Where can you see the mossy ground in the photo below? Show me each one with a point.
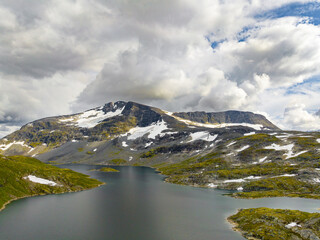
(106, 169)
(270, 224)
(12, 185)
(279, 187)
(118, 161)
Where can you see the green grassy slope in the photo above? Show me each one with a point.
(277, 175)
(269, 224)
(13, 185)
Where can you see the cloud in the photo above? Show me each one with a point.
(7, 129)
(298, 118)
(57, 57)
(277, 53)
(26, 99)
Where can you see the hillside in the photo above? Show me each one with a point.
(24, 176)
(269, 224)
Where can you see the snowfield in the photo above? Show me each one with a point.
(40, 180)
(152, 131)
(91, 118)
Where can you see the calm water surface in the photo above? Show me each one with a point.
(134, 205)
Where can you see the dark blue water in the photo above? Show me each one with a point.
(134, 205)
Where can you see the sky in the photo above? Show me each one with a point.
(65, 56)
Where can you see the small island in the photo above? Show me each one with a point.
(22, 177)
(106, 169)
(269, 224)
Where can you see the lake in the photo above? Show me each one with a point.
(135, 204)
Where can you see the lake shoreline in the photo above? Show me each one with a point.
(235, 227)
(35, 195)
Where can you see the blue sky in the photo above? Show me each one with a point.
(310, 10)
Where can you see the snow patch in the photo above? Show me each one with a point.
(249, 134)
(212, 185)
(148, 144)
(66, 119)
(243, 148)
(124, 144)
(91, 118)
(277, 147)
(252, 177)
(130, 158)
(152, 130)
(318, 140)
(292, 224)
(317, 180)
(286, 175)
(73, 140)
(31, 149)
(95, 150)
(240, 188)
(205, 136)
(167, 133)
(231, 144)
(234, 180)
(291, 155)
(287, 148)
(284, 136)
(40, 180)
(262, 159)
(7, 146)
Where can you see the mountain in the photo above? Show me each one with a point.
(230, 150)
(114, 120)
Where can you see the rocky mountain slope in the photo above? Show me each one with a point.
(234, 150)
(119, 120)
